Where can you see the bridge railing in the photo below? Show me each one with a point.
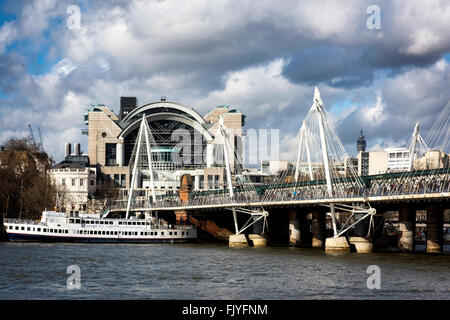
(289, 192)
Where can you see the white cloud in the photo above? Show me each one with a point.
(8, 33)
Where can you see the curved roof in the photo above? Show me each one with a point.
(191, 113)
(168, 116)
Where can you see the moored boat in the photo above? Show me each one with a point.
(61, 227)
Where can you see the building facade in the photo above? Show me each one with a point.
(183, 142)
(75, 183)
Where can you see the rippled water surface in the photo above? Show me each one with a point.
(204, 271)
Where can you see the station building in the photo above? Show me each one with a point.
(184, 142)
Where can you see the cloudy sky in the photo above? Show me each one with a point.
(262, 57)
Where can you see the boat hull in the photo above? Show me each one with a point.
(21, 237)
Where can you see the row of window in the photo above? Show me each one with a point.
(100, 222)
(94, 232)
(73, 182)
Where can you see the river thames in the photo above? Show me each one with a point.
(210, 271)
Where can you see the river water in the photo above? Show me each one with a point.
(207, 271)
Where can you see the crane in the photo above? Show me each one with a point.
(31, 134)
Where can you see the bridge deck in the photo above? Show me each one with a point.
(301, 202)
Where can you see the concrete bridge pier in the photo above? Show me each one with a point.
(238, 240)
(407, 228)
(435, 225)
(257, 238)
(299, 234)
(318, 229)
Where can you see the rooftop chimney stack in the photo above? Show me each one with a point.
(68, 150)
(77, 150)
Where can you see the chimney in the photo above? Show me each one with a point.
(68, 150)
(77, 150)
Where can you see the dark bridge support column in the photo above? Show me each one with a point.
(318, 229)
(407, 228)
(435, 225)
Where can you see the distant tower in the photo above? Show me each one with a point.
(361, 143)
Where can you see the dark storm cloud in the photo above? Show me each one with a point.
(205, 54)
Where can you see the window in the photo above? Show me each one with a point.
(110, 154)
(81, 182)
(73, 182)
(63, 181)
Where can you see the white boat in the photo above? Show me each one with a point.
(61, 227)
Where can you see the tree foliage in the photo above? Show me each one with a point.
(25, 190)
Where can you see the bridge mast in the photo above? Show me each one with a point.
(135, 167)
(222, 130)
(149, 155)
(317, 106)
(303, 138)
(143, 130)
(416, 137)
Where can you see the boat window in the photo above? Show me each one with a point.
(97, 222)
(22, 228)
(71, 220)
(115, 233)
(17, 228)
(162, 233)
(182, 233)
(77, 220)
(134, 223)
(110, 222)
(120, 222)
(67, 231)
(175, 233)
(187, 233)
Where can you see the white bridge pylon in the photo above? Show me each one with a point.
(255, 215)
(140, 150)
(321, 156)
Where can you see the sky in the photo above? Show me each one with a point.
(261, 57)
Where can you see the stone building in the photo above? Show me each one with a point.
(184, 142)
